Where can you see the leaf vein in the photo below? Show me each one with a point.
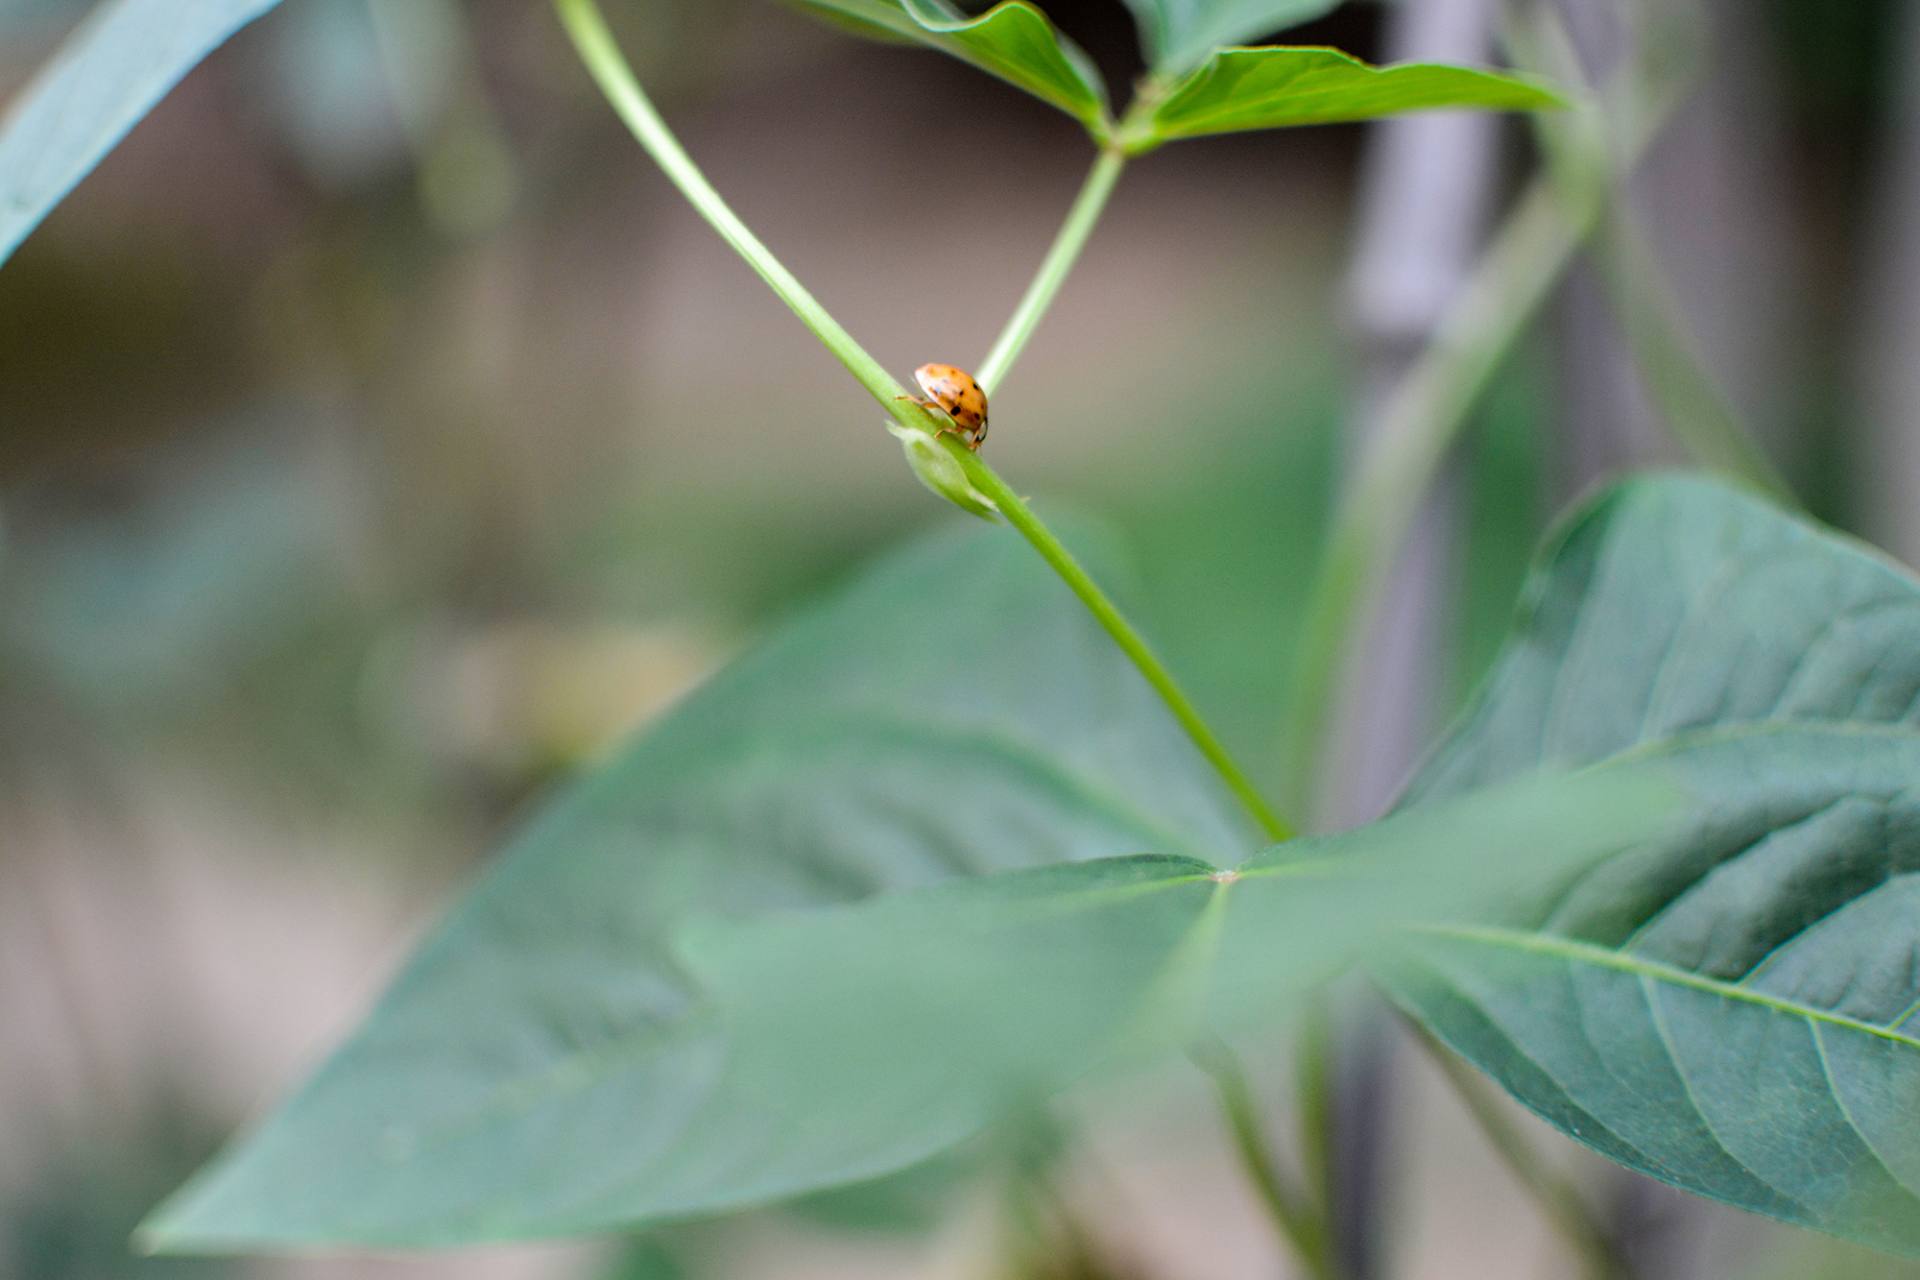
(1644, 984)
(1846, 1112)
(1573, 951)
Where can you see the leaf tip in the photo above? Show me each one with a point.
(160, 1232)
(198, 1217)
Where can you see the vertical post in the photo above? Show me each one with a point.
(1425, 204)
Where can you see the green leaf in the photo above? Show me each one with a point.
(539, 1066)
(644, 1260)
(912, 1202)
(842, 1042)
(1180, 33)
(1734, 1009)
(1278, 87)
(120, 62)
(980, 998)
(1013, 41)
(911, 1021)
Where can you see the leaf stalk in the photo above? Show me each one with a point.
(1067, 246)
(587, 28)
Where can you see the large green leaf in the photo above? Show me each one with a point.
(1013, 41)
(533, 1068)
(1180, 33)
(1279, 86)
(120, 62)
(843, 1042)
(1734, 1009)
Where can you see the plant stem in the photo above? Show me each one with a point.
(1699, 413)
(1529, 254)
(1055, 553)
(1313, 1091)
(598, 50)
(1559, 1200)
(1418, 426)
(1291, 1210)
(602, 56)
(1087, 207)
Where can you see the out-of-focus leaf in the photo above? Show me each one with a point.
(645, 1260)
(958, 1003)
(842, 1042)
(1013, 41)
(1277, 87)
(540, 1066)
(112, 70)
(910, 1202)
(886, 1029)
(1177, 34)
(1734, 1009)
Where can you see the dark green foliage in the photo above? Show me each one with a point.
(1731, 1009)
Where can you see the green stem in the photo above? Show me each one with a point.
(1419, 425)
(1290, 1209)
(1559, 1200)
(602, 56)
(1529, 254)
(1313, 1096)
(1086, 211)
(1046, 1236)
(1698, 411)
(1054, 552)
(600, 53)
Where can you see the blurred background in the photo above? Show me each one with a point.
(380, 436)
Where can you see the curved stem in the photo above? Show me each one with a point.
(1530, 252)
(1699, 412)
(1419, 425)
(1087, 207)
(598, 50)
(1055, 553)
(601, 54)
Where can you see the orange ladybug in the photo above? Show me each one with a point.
(954, 392)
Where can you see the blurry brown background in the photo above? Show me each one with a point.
(380, 435)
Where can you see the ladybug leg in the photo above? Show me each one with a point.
(925, 404)
(971, 438)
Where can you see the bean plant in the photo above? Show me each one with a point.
(955, 840)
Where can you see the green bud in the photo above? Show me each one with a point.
(941, 472)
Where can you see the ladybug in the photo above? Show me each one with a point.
(954, 392)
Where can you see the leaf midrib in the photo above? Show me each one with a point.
(589, 1067)
(1287, 95)
(1574, 951)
